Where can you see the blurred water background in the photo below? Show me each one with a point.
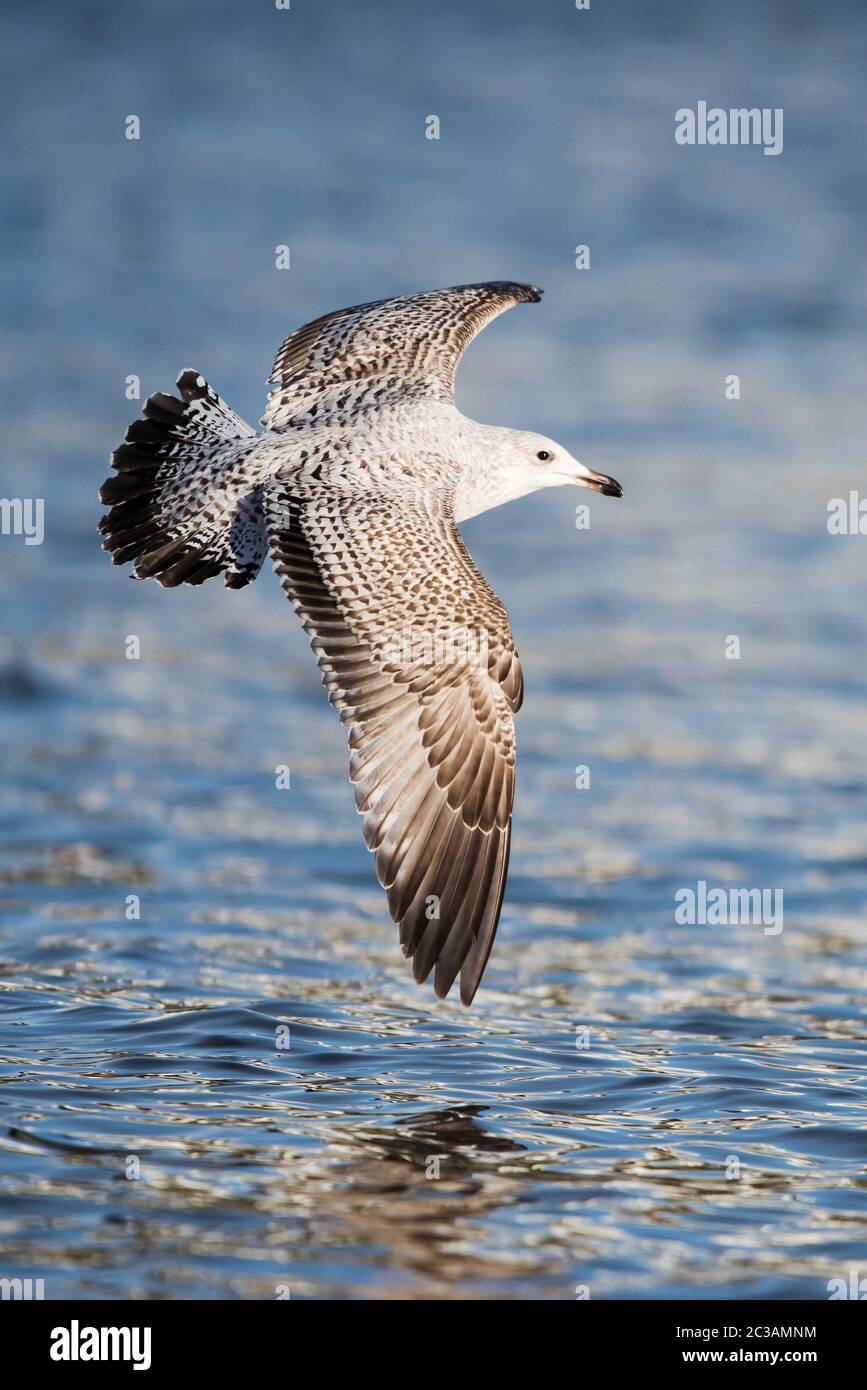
(560, 1166)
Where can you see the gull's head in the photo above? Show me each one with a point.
(544, 463)
(501, 465)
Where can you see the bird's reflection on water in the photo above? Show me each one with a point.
(414, 1190)
(195, 1160)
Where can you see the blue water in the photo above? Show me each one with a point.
(157, 1139)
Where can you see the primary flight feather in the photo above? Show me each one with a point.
(355, 486)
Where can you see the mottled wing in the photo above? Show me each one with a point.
(416, 653)
(370, 354)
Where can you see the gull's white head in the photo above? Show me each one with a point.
(544, 463)
(518, 462)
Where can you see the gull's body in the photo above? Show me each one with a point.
(356, 485)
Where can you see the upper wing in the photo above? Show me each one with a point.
(416, 653)
(370, 353)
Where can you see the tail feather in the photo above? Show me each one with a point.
(185, 495)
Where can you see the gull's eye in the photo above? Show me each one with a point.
(544, 456)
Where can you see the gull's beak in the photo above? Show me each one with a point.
(597, 482)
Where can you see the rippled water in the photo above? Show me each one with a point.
(581, 1125)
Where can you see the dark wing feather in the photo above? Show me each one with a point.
(416, 653)
(390, 349)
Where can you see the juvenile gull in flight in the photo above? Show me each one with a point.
(356, 485)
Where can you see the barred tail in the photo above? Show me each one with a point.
(185, 497)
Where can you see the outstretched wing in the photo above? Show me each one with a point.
(416, 653)
(369, 354)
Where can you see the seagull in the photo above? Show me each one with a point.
(356, 485)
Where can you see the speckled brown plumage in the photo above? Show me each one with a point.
(432, 744)
(356, 484)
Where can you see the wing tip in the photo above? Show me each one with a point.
(520, 292)
(524, 294)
